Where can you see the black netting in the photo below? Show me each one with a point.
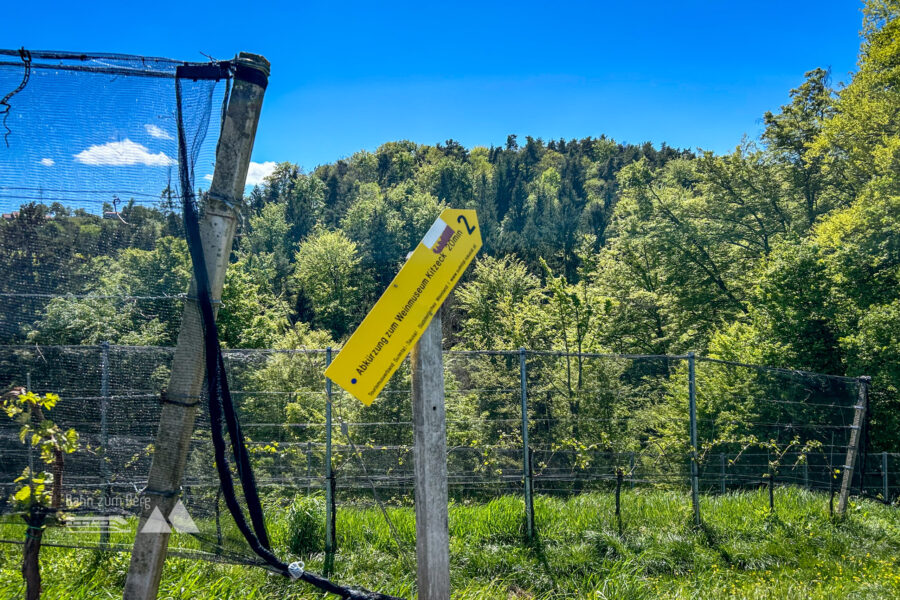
(91, 232)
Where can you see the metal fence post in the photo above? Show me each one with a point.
(806, 473)
(29, 446)
(104, 437)
(526, 454)
(329, 474)
(692, 400)
(859, 417)
(631, 469)
(884, 476)
(308, 468)
(722, 465)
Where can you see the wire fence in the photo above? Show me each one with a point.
(587, 416)
(594, 422)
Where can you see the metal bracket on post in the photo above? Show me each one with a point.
(692, 400)
(217, 228)
(526, 449)
(859, 417)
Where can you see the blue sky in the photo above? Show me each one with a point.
(350, 76)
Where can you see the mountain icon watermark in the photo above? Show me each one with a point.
(179, 521)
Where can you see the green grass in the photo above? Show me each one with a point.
(740, 552)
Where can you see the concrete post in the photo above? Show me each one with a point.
(859, 418)
(176, 423)
(430, 453)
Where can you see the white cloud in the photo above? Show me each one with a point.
(208, 177)
(48, 162)
(259, 171)
(124, 153)
(156, 132)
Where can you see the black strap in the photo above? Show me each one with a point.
(250, 75)
(209, 72)
(221, 405)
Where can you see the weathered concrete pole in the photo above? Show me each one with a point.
(859, 419)
(430, 452)
(217, 229)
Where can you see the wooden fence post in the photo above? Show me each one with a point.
(430, 432)
(176, 423)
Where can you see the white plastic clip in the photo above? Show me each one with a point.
(295, 569)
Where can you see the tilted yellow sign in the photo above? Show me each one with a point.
(396, 322)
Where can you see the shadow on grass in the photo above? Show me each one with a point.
(535, 547)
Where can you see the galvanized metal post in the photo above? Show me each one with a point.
(722, 466)
(631, 470)
(692, 401)
(526, 448)
(29, 446)
(859, 418)
(329, 473)
(308, 468)
(806, 473)
(430, 468)
(884, 476)
(217, 227)
(104, 437)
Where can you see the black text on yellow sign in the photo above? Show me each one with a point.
(396, 322)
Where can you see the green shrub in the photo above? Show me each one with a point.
(306, 525)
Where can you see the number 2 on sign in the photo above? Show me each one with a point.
(462, 219)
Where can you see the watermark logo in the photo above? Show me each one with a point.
(179, 521)
(93, 525)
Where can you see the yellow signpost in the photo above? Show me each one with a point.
(396, 322)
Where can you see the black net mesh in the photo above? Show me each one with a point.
(91, 233)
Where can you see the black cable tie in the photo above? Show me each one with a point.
(232, 203)
(196, 299)
(250, 74)
(165, 398)
(161, 493)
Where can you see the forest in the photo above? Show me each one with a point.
(784, 252)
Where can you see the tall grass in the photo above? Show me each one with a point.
(741, 551)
